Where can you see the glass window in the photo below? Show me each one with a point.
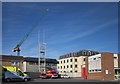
(70, 71)
(70, 60)
(70, 66)
(67, 61)
(76, 71)
(64, 67)
(75, 60)
(84, 59)
(61, 67)
(94, 59)
(115, 57)
(64, 61)
(75, 66)
(67, 66)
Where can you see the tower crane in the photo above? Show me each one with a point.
(17, 48)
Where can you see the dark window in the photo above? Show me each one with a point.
(64, 67)
(70, 71)
(94, 59)
(75, 66)
(61, 67)
(75, 60)
(67, 66)
(64, 61)
(99, 69)
(70, 60)
(61, 62)
(75, 71)
(84, 59)
(67, 61)
(58, 67)
(96, 70)
(64, 71)
(70, 66)
(115, 57)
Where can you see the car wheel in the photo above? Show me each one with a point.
(8, 79)
(25, 79)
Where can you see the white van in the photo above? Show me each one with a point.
(13, 76)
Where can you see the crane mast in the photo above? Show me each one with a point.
(17, 48)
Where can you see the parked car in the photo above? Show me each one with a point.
(43, 75)
(52, 74)
(13, 76)
(64, 76)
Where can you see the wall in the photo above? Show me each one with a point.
(31, 68)
(71, 71)
(33, 75)
(118, 60)
(107, 66)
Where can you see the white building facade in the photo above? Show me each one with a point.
(71, 64)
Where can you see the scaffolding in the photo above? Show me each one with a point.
(41, 55)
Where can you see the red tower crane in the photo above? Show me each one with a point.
(17, 48)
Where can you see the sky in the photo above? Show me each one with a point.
(68, 27)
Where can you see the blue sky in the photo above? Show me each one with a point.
(68, 27)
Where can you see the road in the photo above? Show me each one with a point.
(71, 80)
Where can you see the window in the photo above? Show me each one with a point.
(94, 58)
(64, 71)
(70, 66)
(70, 60)
(75, 60)
(96, 70)
(67, 66)
(64, 61)
(99, 69)
(64, 67)
(89, 70)
(58, 67)
(67, 61)
(115, 57)
(61, 67)
(61, 62)
(84, 59)
(75, 66)
(15, 63)
(76, 71)
(70, 71)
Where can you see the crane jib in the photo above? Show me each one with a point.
(26, 36)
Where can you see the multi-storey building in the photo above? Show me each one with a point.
(71, 63)
(104, 66)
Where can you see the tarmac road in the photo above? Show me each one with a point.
(71, 80)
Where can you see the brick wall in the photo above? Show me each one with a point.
(119, 60)
(107, 63)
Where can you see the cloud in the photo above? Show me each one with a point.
(67, 37)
